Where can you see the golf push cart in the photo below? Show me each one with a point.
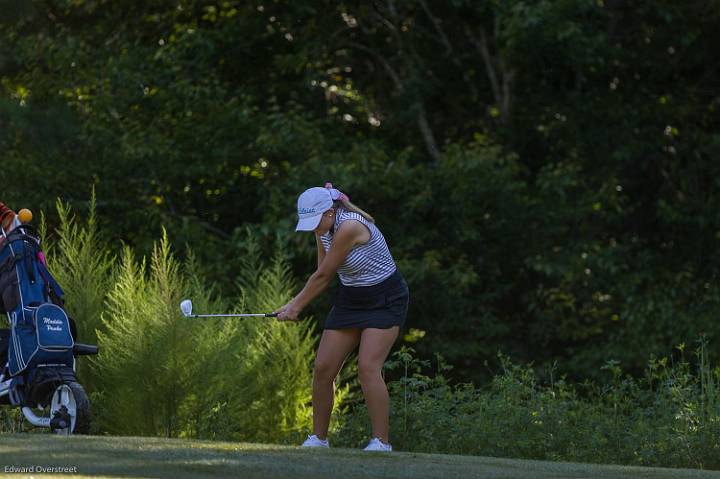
(38, 350)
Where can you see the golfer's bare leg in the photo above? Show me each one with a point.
(375, 346)
(335, 345)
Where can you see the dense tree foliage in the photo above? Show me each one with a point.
(545, 171)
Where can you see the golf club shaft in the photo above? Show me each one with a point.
(246, 315)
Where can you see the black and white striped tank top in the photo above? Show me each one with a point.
(367, 264)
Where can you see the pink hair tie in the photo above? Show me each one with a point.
(336, 194)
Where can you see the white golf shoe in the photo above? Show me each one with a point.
(314, 441)
(376, 444)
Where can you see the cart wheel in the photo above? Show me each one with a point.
(70, 409)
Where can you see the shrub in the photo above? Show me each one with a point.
(164, 374)
(670, 417)
(81, 262)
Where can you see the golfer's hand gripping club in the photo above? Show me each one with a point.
(288, 313)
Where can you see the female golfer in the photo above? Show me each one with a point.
(369, 309)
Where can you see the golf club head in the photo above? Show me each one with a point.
(186, 307)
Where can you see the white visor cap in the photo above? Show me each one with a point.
(311, 204)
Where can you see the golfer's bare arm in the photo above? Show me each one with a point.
(320, 250)
(349, 234)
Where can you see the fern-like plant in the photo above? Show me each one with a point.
(81, 262)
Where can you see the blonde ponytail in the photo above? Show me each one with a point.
(340, 199)
(348, 206)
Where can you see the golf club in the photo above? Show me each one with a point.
(186, 308)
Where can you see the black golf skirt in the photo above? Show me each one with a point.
(381, 306)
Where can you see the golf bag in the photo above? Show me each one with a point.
(32, 299)
(37, 353)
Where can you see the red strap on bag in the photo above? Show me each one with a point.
(6, 216)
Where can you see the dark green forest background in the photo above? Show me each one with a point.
(546, 172)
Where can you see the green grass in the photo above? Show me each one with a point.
(102, 456)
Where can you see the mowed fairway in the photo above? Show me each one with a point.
(153, 457)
